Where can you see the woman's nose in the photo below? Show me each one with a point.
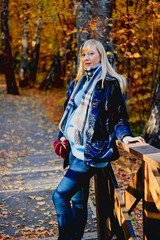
(86, 57)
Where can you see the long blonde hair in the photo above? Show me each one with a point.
(106, 66)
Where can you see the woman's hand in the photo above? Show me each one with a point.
(62, 139)
(129, 139)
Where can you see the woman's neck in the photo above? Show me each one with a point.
(89, 72)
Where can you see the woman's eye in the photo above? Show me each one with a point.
(83, 55)
(91, 53)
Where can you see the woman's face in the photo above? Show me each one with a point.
(90, 57)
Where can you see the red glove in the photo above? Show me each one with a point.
(62, 148)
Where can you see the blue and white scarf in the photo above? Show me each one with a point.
(83, 110)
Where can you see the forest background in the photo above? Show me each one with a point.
(40, 40)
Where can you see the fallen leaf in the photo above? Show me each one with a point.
(39, 198)
(52, 222)
(40, 203)
(31, 197)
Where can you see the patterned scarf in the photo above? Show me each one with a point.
(89, 72)
(83, 110)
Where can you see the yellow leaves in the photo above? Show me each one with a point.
(50, 46)
(130, 55)
(133, 34)
(92, 27)
(121, 31)
(136, 55)
(84, 30)
(134, 119)
(108, 53)
(132, 30)
(127, 170)
(70, 31)
(136, 75)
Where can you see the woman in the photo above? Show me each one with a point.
(95, 115)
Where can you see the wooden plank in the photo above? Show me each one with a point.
(145, 151)
(112, 215)
(120, 210)
(154, 185)
(134, 191)
(151, 216)
(122, 216)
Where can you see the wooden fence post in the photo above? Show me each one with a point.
(102, 206)
(113, 204)
(107, 225)
(151, 215)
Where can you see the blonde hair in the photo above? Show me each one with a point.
(106, 66)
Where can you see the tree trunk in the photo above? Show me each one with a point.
(6, 49)
(102, 10)
(47, 82)
(24, 81)
(36, 46)
(152, 128)
(70, 57)
(70, 60)
(52, 79)
(83, 15)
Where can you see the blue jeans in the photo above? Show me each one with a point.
(70, 199)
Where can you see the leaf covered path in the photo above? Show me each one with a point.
(29, 171)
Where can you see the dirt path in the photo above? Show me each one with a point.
(29, 171)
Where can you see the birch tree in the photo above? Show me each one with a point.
(35, 47)
(24, 59)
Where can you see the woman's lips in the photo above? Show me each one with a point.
(87, 64)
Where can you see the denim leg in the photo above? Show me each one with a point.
(76, 177)
(79, 200)
(79, 211)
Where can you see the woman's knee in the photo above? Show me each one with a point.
(55, 196)
(60, 197)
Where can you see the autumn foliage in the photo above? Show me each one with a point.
(135, 37)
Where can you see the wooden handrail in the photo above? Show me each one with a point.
(144, 151)
(114, 205)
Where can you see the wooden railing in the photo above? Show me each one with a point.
(114, 206)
